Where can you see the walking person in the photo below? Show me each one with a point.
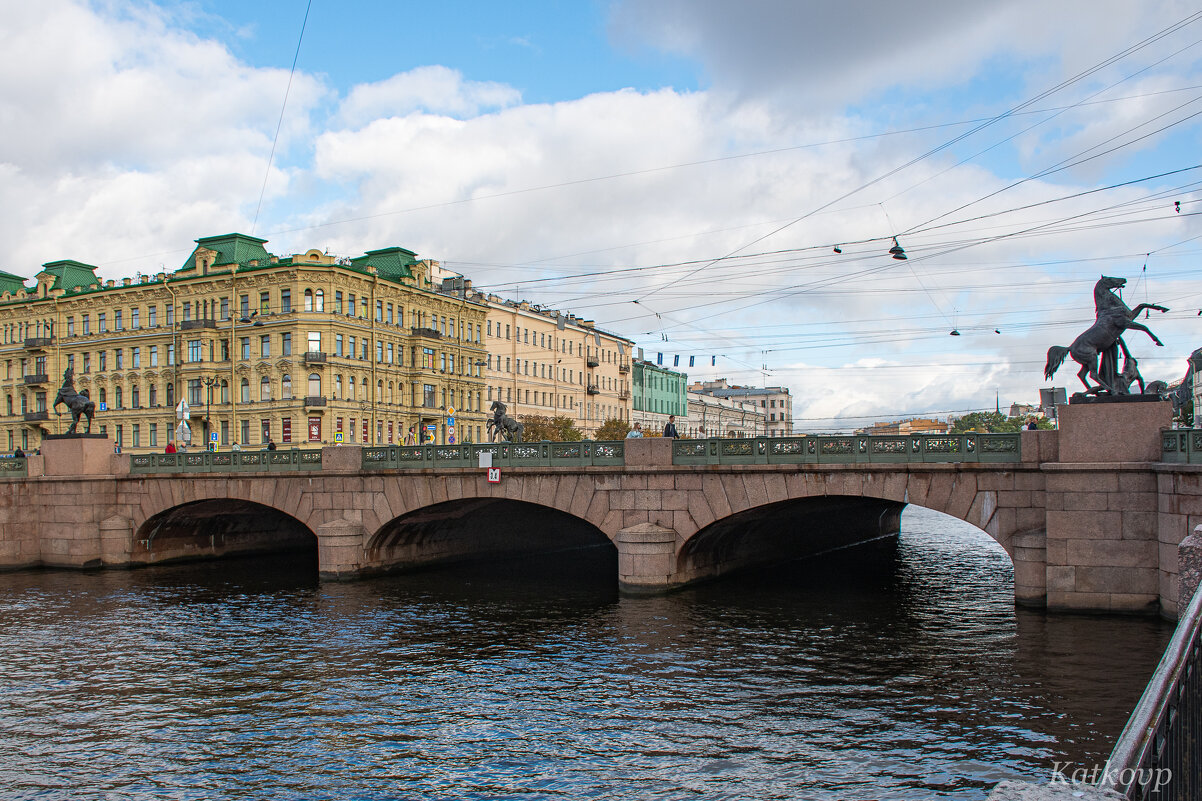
(636, 432)
(670, 428)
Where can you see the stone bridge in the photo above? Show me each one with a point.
(1091, 522)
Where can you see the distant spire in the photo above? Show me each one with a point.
(997, 401)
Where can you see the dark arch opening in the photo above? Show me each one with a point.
(489, 530)
(786, 531)
(220, 528)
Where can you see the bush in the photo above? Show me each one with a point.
(613, 428)
(555, 429)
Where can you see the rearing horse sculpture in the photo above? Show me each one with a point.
(78, 402)
(1103, 339)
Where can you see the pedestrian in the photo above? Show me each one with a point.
(670, 428)
(409, 438)
(170, 447)
(636, 432)
(270, 444)
(1032, 425)
(236, 446)
(18, 453)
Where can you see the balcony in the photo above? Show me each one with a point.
(593, 389)
(38, 343)
(192, 325)
(37, 378)
(623, 368)
(426, 332)
(593, 361)
(624, 394)
(315, 357)
(312, 401)
(33, 417)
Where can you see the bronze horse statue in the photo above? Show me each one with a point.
(502, 424)
(1104, 339)
(78, 403)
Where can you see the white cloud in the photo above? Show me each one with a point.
(433, 89)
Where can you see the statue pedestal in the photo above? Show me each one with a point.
(1113, 432)
(78, 455)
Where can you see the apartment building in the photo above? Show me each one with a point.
(775, 402)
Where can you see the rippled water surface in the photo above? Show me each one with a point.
(863, 675)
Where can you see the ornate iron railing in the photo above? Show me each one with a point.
(850, 449)
(226, 461)
(13, 467)
(1157, 755)
(1182, 445)
(504, 454)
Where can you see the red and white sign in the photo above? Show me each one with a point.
(315, 429)
(494, 475)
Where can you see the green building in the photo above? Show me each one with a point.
(657, 393)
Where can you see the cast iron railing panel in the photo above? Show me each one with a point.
(226, 461)
(850, 449)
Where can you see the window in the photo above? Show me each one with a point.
(225, 308)
(429, 400)
(243, 307)
(308, 300)
(245, 390)
(389, 314)
(337, 387)
(286, 430)
(154, 435)
(314, 385)
(379, 311)
(225, 398)
(154, 396)
(363, 308)
(70, 326)
(285, 300)
(338, 302)
(286, 387)
(314, 342)
(390, 353)
(133, 318)
(379, 351)
(428, 358)
(265, 389)
(195, 392)
(315, 429)
(338, 344)
(264, 302)
(286, 344)
(100, 322)
(351, 352)
(117, 396)
(87, 362)
(103, 360)
(245, 347)
(195, 353)
(319, 300)
(154, 355)
(363, 345)
(188, 311)
(136, 358)
(350, 306)
(265, 346)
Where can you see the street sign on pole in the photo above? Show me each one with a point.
(183, 433)
(182, 412)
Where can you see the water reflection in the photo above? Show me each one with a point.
(901, 672)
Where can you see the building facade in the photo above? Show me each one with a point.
(302, 350)
(551, 363)
(775, 402)
(658, 392)
(711, 416)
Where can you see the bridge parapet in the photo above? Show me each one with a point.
(968, 447)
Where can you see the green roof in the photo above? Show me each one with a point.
(70, 274)
(231, 249)
(392, 263)
(11, 283)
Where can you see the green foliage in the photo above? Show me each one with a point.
(988, 422)
(554, 429)
(613, 428)
(1186, 416)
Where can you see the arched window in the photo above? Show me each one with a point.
(363, 386)
(265, 389)
(245, 390)
(308, 300)
(171, 394)
(390, 394)
(286, 387)
(319, 300)
(314, 385)
(379, 392)
(25, 403)
(154, 395)
(337, 386)
(103, 398)
(350, 389)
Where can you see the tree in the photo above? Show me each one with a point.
(613, 428)
(554, 429)
(988, 423)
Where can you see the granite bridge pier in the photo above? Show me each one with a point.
(1097, 516)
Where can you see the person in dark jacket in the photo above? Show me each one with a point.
(670, 428)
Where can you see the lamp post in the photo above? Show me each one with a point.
(208, 382)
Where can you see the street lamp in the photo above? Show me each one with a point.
(208, 382)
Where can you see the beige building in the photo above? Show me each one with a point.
(916, 425)
(774, 402)
(711, 416)
(551, 363)
(302, 350)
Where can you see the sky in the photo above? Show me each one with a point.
(720, 182)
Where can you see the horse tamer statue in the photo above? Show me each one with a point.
(1104, 339)
(502, 425)
(78, 403)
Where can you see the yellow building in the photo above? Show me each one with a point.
(303, 350)
(551, 363)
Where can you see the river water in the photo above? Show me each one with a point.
(900, 674)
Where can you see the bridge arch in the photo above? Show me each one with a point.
(480, 528)
(218, 527)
